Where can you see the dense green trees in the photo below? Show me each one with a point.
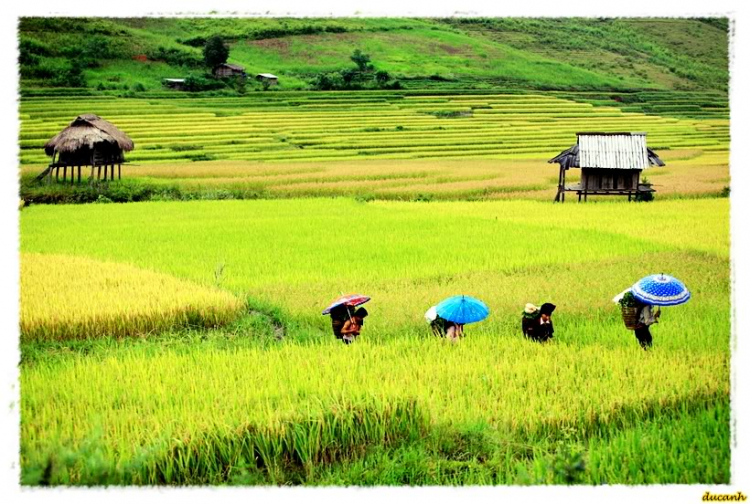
(364, 76)
(215, 52)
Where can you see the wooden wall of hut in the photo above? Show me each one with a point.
(602, 179)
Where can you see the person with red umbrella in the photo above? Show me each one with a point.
(353, 326)
(345, 322)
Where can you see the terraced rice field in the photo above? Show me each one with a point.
(378, 145)
(340, 126)
(182, 342)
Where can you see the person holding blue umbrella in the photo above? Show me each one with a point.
(460, 310)
(655, 290)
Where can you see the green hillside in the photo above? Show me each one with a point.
(127, 56)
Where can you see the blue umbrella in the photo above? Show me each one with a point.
(660, 290)
(462, 309)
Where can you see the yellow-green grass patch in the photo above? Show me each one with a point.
(69, 297)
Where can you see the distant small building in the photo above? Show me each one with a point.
(229, 70)
(271, 79)
(610, 163)
(178, 84)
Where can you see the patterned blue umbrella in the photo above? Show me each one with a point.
(462, 309)
(661, 290)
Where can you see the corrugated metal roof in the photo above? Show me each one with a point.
(613, 150)
(267, 76)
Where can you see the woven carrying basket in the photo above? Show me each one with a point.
(630, 317)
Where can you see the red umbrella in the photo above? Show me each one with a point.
(348, 300)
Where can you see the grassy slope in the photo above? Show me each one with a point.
(669, 53)
(551, 53)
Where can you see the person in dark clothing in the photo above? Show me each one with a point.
(339, 316)
(443, 327)
(439, 326)
(353, 326)
(536, 323)
(646, 317)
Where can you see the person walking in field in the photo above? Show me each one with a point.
(637, 303)
(341, 311)
(353, 326)
(339, 316)
(443, 327)
(536, 322)
(646, 317)
(438, 324)
(457, 311)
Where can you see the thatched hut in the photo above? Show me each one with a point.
(88, 141)
(610, 163)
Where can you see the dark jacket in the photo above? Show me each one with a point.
(534, 329)
(339, 316)
(439, 326)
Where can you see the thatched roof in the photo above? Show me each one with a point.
(608, 150)
(88, 130)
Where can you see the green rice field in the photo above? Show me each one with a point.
(271, 397)
(170, 325)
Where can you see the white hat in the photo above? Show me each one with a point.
(530, 308)
(431, 314)
(618, 297)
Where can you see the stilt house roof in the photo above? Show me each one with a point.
(626, 151)
(87, 130)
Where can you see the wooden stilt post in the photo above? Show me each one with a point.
(586, 189)
(98, 172)
(65, 173)
(91, 177)
(57, 174)
(112, 173)
(79, 174)
(119, 172)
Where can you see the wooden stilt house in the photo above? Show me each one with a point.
(88, 141)
(610, 163)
